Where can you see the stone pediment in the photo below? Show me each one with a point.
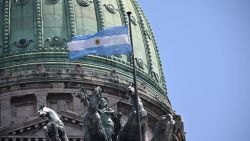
(34, 126)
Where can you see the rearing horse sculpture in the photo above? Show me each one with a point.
(54, 129)
(130, 131)
(92, 121)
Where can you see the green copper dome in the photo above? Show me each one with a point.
(36, 32)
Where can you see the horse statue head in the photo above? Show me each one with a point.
(93, 128)
(54, 129)
(44, 111)
(130, 131)
(164, 129)
(98, 91)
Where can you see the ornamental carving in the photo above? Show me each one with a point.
(83, 3)
(143, 86)
(39, 69)
(140, 63)
(113, 76)
(39, 24)
(55, 41)
(22, 43)
(133, 20)
(157, 97)
(53, 1)
(123, 11)
(100, 17)
(155, 76)
(71, 16)
(146, 33)
(78, 69)
(22, 2)
(6, 24)
(110, 8)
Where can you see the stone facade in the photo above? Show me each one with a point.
(35, 69)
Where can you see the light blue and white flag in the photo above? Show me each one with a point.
(111, 41)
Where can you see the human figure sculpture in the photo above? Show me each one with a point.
(106, 113)
(130, 131)
(164, 129)
(98, 120)
(54, 129)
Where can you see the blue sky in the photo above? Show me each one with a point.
(205, 50)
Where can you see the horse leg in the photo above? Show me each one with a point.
(86, 127)
(64, 137)
(100, 129)
(46, 132)
(62, 134)
(119, 138)
(87, 136)
(55, 135)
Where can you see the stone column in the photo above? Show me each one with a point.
(78, 106)
(41, 98)
(5, 106)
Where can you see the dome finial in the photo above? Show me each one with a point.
(129, 13)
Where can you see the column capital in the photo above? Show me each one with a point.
(42, 93)
(5, 98)
(41, 98)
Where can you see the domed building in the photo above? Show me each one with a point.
(35, 68)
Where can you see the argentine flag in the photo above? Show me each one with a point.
(111, 41)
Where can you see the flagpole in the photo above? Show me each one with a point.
(135, 79)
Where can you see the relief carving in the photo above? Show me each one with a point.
(22, 2)
(78, 69)
(56, 41)
(113, 76)
(83, 3)
(53, 1)
(23, 43)
(39, 69)
(110, 8)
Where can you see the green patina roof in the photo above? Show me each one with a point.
(36, 32)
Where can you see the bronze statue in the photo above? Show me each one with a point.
(130, 131)
(54, 129)
(164, 129)
(99, 119)
(106, 113)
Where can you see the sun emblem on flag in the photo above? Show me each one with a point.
(97, 41)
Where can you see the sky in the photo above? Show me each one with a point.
(205, 50)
